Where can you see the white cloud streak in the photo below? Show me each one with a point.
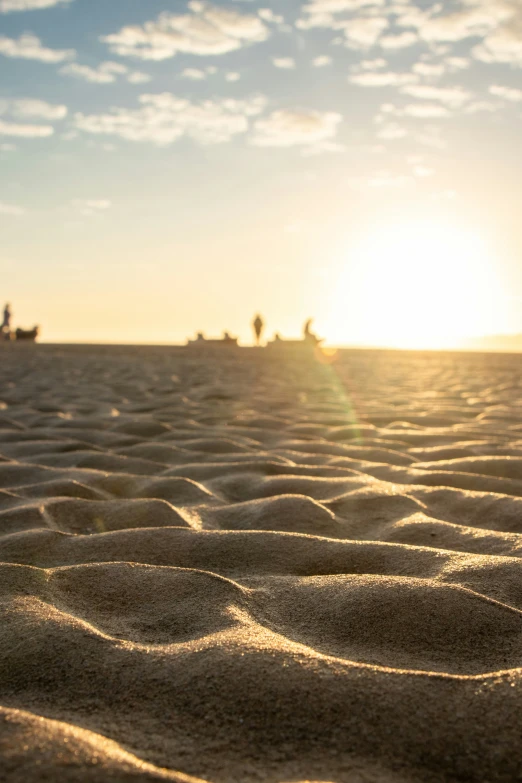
(11, 210)
(206, 30)
(9, 6)
(29, 47)
(25, 131)
(164, 118)
(104, 73)
(31, 108)
(289, 128)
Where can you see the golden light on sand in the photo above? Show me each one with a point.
(421, 284)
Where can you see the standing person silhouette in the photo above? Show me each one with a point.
(258, 325)
(307, 332)
(6, 325)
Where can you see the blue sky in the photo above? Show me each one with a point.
(171, 166)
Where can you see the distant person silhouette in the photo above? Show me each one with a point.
(308, 335)
(307, 332)
(6, 325)
(258, 325)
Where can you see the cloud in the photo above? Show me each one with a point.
(287, 63)
(268, 15)
(450, 96)
(233, 76)
(423, 171)
(29, 47)
(429, 69)
(401, 41)
(164, 118)
(33, 108)
(11, 209)
(497, 22)
(503, 44)
(8, 6)
(206, 30)
(138, 77)
(105, 73)
(392, 131)
(382, 79)
(363, 32)
(370, 65)
(426, 110)
(290, 128)
(322, 61)
(508, 93)
(89, 207)
(25, 131)
(322, 13)
(195, 74)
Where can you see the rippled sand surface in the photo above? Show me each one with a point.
(244, 568)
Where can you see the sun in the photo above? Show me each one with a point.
(418, 284)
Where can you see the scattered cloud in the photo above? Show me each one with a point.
(287, 63)
(138, 77)
(195, 74)
(450, 96)
(498, 23)
(429, 70)
(425, 110)
(8, 6)
(392, 131)
(88, 207)
(164, 118)
(382, 79)
(511, 94)
(325, 13)
(269, 16)
(363, 32)
(104, 73)
(401, 41)
(206, 30)
(232, 76)
(11, 209)
(33, 108)
(29, 47)
(423, 171)
(322, 61)
(25, 131)
(457, 63)
(370, 65)
(290, 128)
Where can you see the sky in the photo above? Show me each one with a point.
(169, 167)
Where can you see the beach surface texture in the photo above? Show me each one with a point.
(240, 566)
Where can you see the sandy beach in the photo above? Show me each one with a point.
(239, 567)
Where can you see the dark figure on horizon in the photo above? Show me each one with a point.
(307, 332)
(308, 335)
(258, 325)
(7, 317)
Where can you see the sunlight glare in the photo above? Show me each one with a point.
(421, 284)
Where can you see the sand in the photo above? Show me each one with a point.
(244, 567)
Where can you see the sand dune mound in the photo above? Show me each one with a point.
(255, 568)
(288, 513)
(401, 623)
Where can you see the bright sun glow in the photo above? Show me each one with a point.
(420, 284)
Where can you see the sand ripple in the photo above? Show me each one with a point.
(244, 569)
